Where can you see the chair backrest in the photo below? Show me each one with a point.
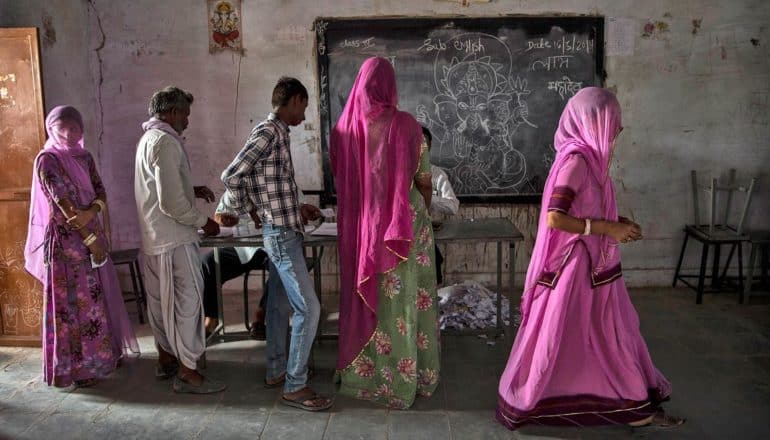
(716, 192)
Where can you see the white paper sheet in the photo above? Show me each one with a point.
(326, 229)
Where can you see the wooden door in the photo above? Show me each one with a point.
(22, 134)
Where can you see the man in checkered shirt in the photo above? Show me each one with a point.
(260, 182)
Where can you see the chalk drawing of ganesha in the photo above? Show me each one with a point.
(478, 108)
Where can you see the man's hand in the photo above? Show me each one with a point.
(226, 219)
(211, 228)
(254, 216)
(203, 192)
(309, 213)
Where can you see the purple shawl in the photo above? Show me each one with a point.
(588, 127)
(374, 156)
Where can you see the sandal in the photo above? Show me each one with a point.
(663, 420)
(308, 400)
(208, 386)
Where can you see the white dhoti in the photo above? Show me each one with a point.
(174, 286)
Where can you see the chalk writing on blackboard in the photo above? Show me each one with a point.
(478, 106)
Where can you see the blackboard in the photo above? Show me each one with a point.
(491, 90)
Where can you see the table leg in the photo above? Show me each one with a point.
(220, 312)
(511, 284)
(750, 273)
(499, 286)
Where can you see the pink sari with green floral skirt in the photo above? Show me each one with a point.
(388, 347)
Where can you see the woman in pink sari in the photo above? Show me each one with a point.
(579, 358)
(86, 329)
(388, 345)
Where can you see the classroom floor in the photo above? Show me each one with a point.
(716, 355)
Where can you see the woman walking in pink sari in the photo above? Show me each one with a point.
(388, 345)
(86, 329)
(579, 358)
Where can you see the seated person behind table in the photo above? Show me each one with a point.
(234, 262)
(444, 202)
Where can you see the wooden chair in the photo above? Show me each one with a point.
(716, 232)
(131, 258)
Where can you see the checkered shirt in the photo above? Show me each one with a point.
(261, 176)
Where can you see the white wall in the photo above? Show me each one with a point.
(692, 98)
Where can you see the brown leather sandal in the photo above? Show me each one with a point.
(663, 420)
(307, 400)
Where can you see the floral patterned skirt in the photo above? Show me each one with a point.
(401, 360)
(77, 343)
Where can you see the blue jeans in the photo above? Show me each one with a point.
(291, 289)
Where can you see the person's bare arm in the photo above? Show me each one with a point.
(622, 232)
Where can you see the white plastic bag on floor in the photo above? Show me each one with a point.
(470, 305)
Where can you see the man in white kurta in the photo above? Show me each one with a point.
(443, 204)
(169, 222)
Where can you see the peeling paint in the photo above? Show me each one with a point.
(98, 51)
(696, 25)
(655, 29)
(49, 32)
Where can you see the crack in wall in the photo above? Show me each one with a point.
(98, 49)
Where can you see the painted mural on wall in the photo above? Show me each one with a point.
(224, 18)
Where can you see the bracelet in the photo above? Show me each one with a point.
(90, 239)
(102, 206)
(587, 230)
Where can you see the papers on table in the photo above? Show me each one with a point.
(325, 229)
(239, 230)
(246, 230)
(224, 231)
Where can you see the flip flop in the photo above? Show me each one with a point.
(207, 387)
(318, 403)
(663, 420)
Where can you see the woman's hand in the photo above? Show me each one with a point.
(98, 251)
(624, 232)
(82, 217)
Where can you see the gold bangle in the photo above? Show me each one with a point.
(102, 206)
(90, 239)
